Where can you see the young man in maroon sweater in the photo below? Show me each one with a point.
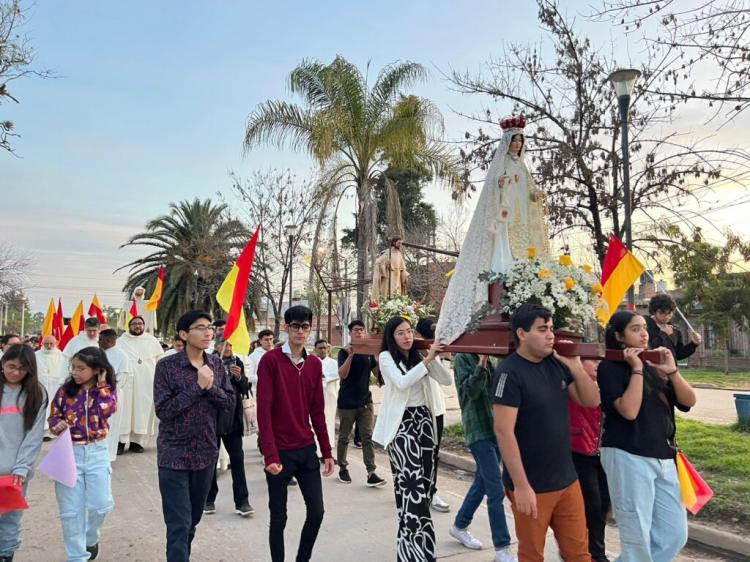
(289, 397)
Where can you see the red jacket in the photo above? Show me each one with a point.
(287, 401)
(585, 428)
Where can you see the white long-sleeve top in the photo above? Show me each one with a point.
(400, 393)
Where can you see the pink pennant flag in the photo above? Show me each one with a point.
(60, 463)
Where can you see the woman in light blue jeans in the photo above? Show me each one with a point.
(638, 444)
(84, 404)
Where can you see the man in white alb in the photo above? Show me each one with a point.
(265, 338)
(52, 369)
(137, 422)
(119, 362)
(330, 386)
(88, 338)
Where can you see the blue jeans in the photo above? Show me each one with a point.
(646, 499)
(10, 527)
(83, 507)
(487, 481)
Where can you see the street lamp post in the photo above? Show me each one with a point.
(291, 233)
(624, 82)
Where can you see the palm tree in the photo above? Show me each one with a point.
(356, 132)
(197, 243)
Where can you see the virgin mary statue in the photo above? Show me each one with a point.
(508, 220)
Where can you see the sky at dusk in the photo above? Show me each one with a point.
(149, 101)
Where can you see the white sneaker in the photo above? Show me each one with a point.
(505, 555)
(464, 537)
(440, 505)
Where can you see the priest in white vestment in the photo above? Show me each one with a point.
(265, 339)
(88, 338)
(330, 386)
(52, 369)
(119, 362)
(149, 316)
(137, 423)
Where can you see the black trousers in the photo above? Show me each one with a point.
(302, 464)
(596, 501)
(183, 495)
(439, 422)
(233, 445)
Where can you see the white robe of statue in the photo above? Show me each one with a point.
(389, 275)
(119, 362)
(507, 221)
(149, 316)
(138, 416)
(52, 370)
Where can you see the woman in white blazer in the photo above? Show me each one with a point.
(406, 428)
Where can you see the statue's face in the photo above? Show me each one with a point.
(139, 293)
(516, 144)
(397, 244)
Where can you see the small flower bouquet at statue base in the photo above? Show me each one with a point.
(399, 305)
(572, 293)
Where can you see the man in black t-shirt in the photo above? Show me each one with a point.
(532, 387)
(355, 406)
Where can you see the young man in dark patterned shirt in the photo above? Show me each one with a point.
(190, 389)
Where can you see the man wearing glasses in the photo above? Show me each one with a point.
(137, 423)
(289, 398)
(355, 406)
(191, 389)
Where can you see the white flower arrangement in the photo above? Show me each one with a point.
(399, 305)
(572, 293)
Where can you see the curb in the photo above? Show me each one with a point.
(711, 386)
(697, 532)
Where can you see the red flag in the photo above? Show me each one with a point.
(58, 324)
(95, 309)
(133, 309)
(620, 270)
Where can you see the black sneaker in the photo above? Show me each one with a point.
(136, 448)
(6, 558)
(293, 482)
(209, 509)
(120, 448)
(93, 551)
(374, 481)
(245, 510)
(344, 476)
(358, 444)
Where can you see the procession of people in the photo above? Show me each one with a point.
(113, 394)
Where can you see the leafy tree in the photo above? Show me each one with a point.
(419, 217)
(573, 134)
(197, 243)
(713, 289)
(356, 132)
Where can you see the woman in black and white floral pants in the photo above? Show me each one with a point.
(406, 428)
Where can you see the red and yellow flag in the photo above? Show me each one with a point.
(693, 489)
(155, 300)
(58, 324)
(620, 270)
(231, 298)
(75, 326)
(95, 309)
(132, 312)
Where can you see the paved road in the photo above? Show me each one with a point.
(359, 525)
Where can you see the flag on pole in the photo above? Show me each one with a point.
(58, 324)
(132, 312)
(95, 309)
(74, 326)
(620, 270)
(59, 463)
(49, 321)
(155, 300)
(231, 298)
(693, 489)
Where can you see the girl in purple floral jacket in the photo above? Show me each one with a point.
(84, 404)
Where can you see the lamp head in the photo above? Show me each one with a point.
(624, 81)
(291, 230)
